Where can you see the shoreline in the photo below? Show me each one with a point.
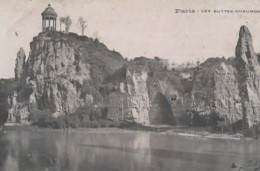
(155, 130)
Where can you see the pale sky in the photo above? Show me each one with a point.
(134, 27)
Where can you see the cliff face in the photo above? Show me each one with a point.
(248, 76)
(19, 64)
(131, 100)
(62, 73)
(65, 72)
(230, 87)
(148, 93)
(216, 90)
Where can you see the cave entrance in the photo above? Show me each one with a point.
(160, 112)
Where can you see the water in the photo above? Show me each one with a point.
(47, 150)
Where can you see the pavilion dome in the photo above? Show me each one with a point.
(49, 11)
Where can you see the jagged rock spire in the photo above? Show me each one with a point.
(19, 64)
(244, 48)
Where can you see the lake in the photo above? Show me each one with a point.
(118, 150)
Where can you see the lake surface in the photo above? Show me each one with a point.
(47, 150)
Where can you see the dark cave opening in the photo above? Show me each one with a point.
(160, 112)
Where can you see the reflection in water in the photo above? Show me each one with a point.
(26, 150)
(11, 164)
(3, 150)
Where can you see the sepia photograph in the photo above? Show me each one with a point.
(129, 85)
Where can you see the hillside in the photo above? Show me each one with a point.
(67, 74)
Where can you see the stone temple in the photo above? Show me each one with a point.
(49, 17)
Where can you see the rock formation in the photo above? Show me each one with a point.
(215, 90)
(244, 49)
(65, 72)
(19, 64)
(230, 87)
(149, 93)
(248, 76)
(62, 73)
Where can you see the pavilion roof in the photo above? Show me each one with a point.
(49, 11)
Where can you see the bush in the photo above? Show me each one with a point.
(86, 116)
(199, 120)
(213, 119)
(37, 115)
(59, 123)
(185, 118)
(45, 121)
(7, 87)
(73, 121)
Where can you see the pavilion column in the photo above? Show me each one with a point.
(54, 24)
(49, 23)
(42, 23)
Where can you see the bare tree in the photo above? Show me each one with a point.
(62, 20)
(83, 24)
(67, 22)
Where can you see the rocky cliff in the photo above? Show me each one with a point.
(65, 72)
(147, 93)
(62, 73)
(19, 64)
(248, 77)
(230, 87)
(216, 90)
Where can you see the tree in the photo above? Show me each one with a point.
(83, 24)
(67, 22)
(62, 20)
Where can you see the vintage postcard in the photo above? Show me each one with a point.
(129, 85)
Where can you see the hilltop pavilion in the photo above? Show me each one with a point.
(49, 17)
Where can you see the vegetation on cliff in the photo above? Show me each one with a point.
(70, 81)
(7, 87)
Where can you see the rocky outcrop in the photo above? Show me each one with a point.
(19, 64)
(244, 49)
(131, 102)
(215, 90)
(65, 72)
(148, 93)
(248, 76)
(230, 87)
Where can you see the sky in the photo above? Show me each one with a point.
(134, 27)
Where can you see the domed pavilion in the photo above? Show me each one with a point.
(49, 17)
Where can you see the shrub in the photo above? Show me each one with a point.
(45, 121)
(7, 87)
(73, 121)
(86, 116)
(59, 123)
(185, 118)
(37, 114)
(213, 119)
